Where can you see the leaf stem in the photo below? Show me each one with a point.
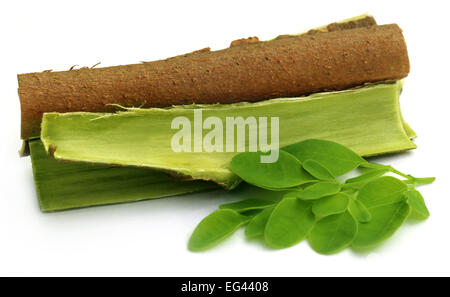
(411, 179)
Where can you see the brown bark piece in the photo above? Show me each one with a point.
(248, 72)
(244, 41)
(348, 25)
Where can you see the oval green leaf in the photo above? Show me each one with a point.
(424, 180)
(319, 190)
(250, 213)
(333, 233)
(386, 219)
(292, 194)
(317, 170)
(280, 189)
(286, 172)
(381, 191)
(359, 181)
(331, 205)
(248, 204)
(359, 211)
(214, 228)
(417, 203)
(257, 225)
(334, 156)
(289, 223)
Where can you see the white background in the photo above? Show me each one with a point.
(149, 238)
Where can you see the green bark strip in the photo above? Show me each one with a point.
(66, 185)
(367, 120)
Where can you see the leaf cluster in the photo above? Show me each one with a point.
(361, 212)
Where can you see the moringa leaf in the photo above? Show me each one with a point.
(384, 199)
(257, 225)
(250, 213)
(359, 211)
(292, 194)
(333, 233)
(248, 204)
(417, 203)
(332, 155)
(381, 191)
(331, 205)
(317, 170)
(289, 223)
(364, 178)
(214, 228)
(281, 189)
(386, 219)
(424, 180)
(379, 209)
(286, 172)
(319, 190)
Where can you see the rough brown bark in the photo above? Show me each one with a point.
(285, 67)
(364, 22)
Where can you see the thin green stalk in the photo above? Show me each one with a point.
(411, 179)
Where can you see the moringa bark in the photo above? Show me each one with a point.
(367, 120)
(284, 67)
(67, 185)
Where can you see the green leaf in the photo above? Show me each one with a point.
(331, 205)
(280, 189)
(292, 194)
(366, 177)
(386, 219)
(381, 191)
(248, 204)
(289, 223)
(319, 190)
(334, 156)
(317, 170)
(257, 225)
(250, 213)
(214, 228)
(424, 180)
(384, 199)
(417, 203)
(333, 233)
(359, 211)
(285, 173)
